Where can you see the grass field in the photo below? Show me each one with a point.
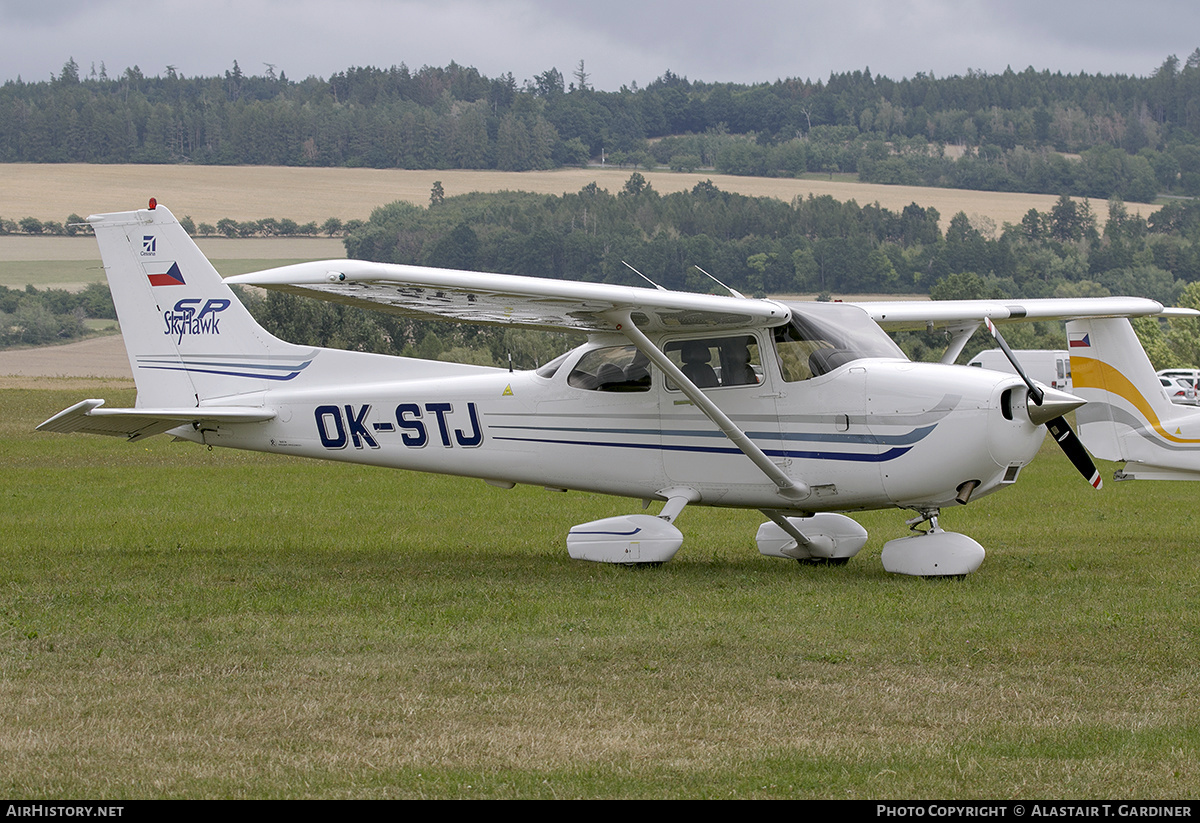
(177, 622)
(72, 262)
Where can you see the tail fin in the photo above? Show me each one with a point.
(188, 337)
(1128, 416)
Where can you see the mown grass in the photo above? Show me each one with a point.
(42, 274)
(176, 622)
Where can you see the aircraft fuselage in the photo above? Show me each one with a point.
(871, 433)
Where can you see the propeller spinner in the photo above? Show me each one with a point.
(1049, 409)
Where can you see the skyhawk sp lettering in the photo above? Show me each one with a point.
(184, 319)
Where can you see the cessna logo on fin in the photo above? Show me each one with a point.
(185, 320)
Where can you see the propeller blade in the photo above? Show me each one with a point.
(1034, 391)
(1069, 442)
(1049, 408)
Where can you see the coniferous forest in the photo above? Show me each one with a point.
(1118, 138)
(1035, 131)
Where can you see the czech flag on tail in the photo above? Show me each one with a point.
(164, 274)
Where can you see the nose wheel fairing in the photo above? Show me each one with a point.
(935, 553)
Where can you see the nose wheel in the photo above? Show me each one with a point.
(932, 553)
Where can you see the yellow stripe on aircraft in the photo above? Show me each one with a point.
(1088, 373)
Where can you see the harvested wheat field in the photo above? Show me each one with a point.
(95, 357)
(209, 193)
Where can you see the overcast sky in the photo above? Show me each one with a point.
(621, 41)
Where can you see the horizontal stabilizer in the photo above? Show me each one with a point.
(1137, 472)
(134, 424)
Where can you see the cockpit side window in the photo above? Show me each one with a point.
(801, 354)
(612, 369)
(816, 342)
(717, 362)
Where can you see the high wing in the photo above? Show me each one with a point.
(960, 318)
(913, 315)
(503, 299)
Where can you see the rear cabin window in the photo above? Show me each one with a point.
(612, 369)
(717, 362)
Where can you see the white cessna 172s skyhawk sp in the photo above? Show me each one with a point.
(798, 410)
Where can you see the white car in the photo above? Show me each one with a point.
(1180, 389)
(1191, 375)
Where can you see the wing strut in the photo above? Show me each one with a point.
(789, 488)
(959, 335)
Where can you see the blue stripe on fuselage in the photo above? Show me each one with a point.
(907, 439)
(859, 457)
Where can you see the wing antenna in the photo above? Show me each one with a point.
(644, 277)
(734, 292)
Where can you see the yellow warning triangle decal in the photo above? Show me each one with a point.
(1178, 430)
(507, 391)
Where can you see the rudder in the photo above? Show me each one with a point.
(1127, 408)
(188, 337)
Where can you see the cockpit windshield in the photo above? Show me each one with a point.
(821, 337)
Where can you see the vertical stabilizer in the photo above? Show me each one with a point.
(188, 337)
(1128, 416)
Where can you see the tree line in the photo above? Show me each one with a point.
(762, 245)
(37, 317)
(225, 227)
(1084, 135)
(757, 245)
